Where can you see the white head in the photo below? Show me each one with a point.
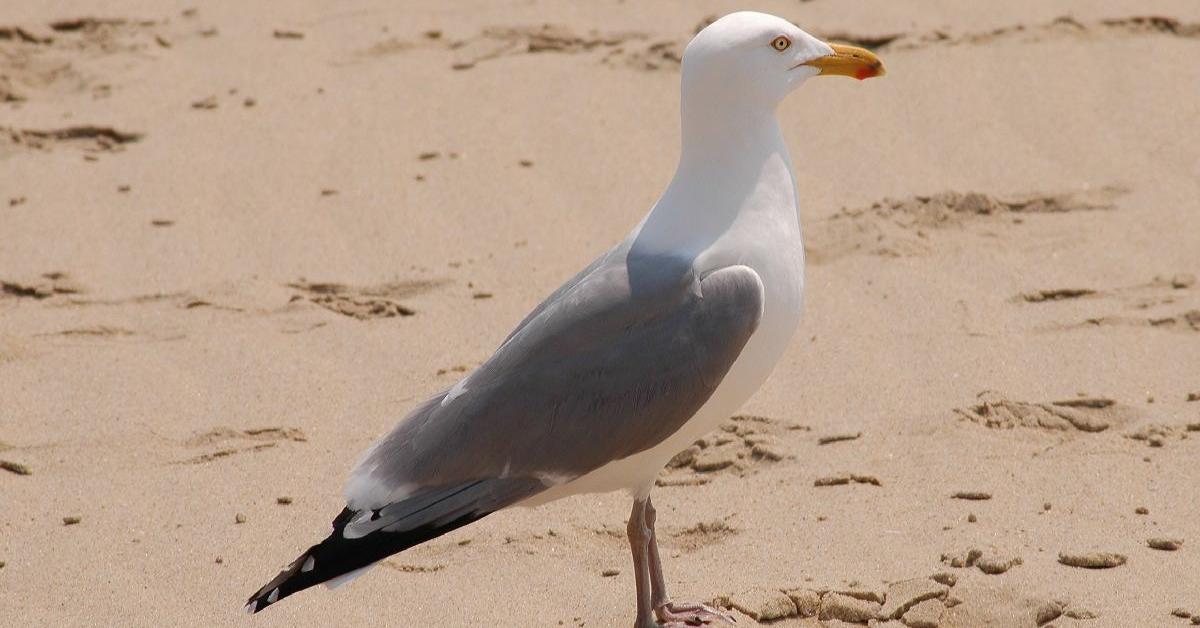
(755, 60)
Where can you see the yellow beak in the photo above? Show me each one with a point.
(849, 61)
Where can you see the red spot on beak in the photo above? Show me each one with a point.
(864, 73)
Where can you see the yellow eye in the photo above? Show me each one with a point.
(781, 43)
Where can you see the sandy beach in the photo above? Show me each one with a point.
(238, 241)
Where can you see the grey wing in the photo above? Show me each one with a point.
(611, 367)
(567, 287)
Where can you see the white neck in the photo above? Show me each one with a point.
(733, 161)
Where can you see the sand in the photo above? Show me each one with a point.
(238, 241)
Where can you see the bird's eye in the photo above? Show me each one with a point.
(781, 43)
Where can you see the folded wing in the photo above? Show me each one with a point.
(610, 365)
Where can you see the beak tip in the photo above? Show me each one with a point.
(870, 72)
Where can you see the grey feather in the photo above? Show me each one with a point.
(611, 364)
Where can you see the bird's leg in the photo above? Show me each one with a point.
(670, 613)
(658, 584)
(639, 544)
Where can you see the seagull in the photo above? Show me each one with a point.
(644, 351)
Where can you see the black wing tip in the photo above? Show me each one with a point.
(338, 555)
(265, 597)
(301, 574)
(257, 603)
(291, 580)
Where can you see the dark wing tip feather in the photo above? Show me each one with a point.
(337, 555)
(295, 578)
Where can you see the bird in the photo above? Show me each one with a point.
(633, 359)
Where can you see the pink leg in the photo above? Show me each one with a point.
(670, 614)
(639, 544)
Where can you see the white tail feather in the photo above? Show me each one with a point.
(345, 578)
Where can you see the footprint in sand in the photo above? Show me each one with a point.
(1160, 290)
(92, 331)
(55, 59)
(1160, 434)
(43, 287)
(993, 602)
(927, 602)
(1084, 414)
(626, 49)
(702, 535)
(845, 479)
(1054, 294)
(497, 42)
(90, 139)
(1059, 28)
(412, 568)
(58, 289)
(991, 562)
(903, 227)
(219, 441)
(1149, 300)
(915, 603)
(740, 444)
(363, 302)
(1187, 321)
(494, 43)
